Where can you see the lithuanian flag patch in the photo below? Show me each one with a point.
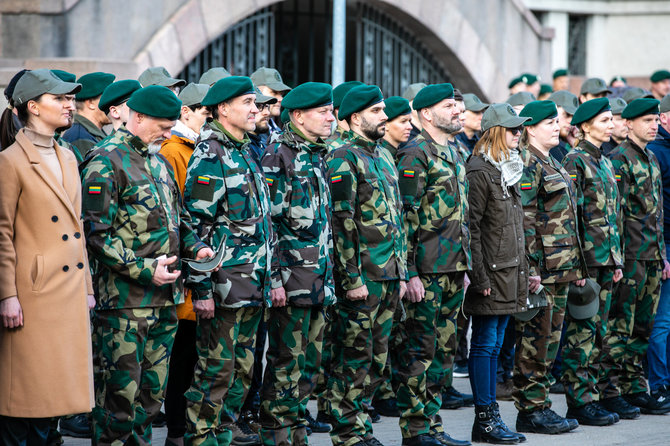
(336, 179)
(408, 173)
(574, 177)
(203, 180)
(94, 190)
(270, 181)
(617, 177)
(526, 186)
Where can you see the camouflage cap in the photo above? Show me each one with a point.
(263, 99)
(594, 85)
(501, 115)
(617, 105)
(156, 101)
(560, 72)
(520, 98)
(633, 93)
(93, 84)
(193, 94)
(211, 76)
(432, 94)
(359, 98)
(117, 93)
(65, 75)
(411, 90)
(35, 83)
(566, 100)
(660, 75)
(538, 111)
(665, 104)
(473, 103)
(590, 109)
(308, 95)
(270, 78)
(641, 107)
(228, 88)
(583, 301)
(159, 76)
(341, 90)
(396, 106)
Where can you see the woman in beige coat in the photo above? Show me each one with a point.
(45, 284)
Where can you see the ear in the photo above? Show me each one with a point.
(185, 112)
(297, 116)
(425, 114)
(114, 112)
(223, 109)
(33, 108)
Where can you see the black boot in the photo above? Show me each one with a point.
(486, 428)
(496, 412)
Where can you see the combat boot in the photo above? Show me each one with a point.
(421, 440)
(621, 407)
(591, 415)
(540, 422)
(647, 404)
(487, 429)
(315, 425)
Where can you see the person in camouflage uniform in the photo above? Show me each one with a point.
(434, 191)
(135, 229)
(554, 254)
(370, 263)
(302, 268)
(227, 196)
(598, 209)
(636, 297)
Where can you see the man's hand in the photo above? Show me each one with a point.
(666, 270)
(534, 283)
(90, 299)
(403, 289)
(11, 312)
(204, 308)
(487, 292)
(415, 290)
(206, 253)
(580, 282)
(360, 293)
(278, 296)
(162, 276)
(618, 275)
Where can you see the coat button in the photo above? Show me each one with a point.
(77, 235)
(493, 266)
(80, 265)
(66, 268)
(64, 237)
(54, 218)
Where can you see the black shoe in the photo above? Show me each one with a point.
(487, 429)
(252, 419)
(446, 440)
(308, 430)
(316, 426)
(468, 400)
(372, 441)
(323, 417)
(600, 407)
(621, 407)
(661, 392)
(647, 404)
(557, 388)
(54, 438)
(590, 415)
(374, 416)
(387, 407)
(541, 422)
(496, 413)
(160, 420)
(553, 416)
(461, 371)
(78, 426)
(243, 435)
(421, 440)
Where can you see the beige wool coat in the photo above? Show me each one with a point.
(45, 366)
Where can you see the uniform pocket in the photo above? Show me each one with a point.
(372, 198)
(37, 272)
(241, 202)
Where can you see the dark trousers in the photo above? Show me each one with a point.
(182, 363)
(506, 356)
(23, 431)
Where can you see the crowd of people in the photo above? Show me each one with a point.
(231, 248)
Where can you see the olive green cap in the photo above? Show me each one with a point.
(594, 85)
(432, 94)
(538, 111)
(228, 88)
(617, 105)
(93, 84)
(520, 98)
(660, 75)
(566, 100)
(263, 99)
(501, 115)
(590, 109)
(396, 106)
(411, 90)
(633, 93)
(641, 107)
(308, 95)
(284, 116)
(545, 88)
(65, 75)
(270, 78)
(529, 78)
(156, 101)
(618, 78)
(117, 93)
(341, 91)
(665, 104)
(35, 83)
(473, 103)
(560, 72)
(513, 82)
(536, 301)
(159, 76)
(193, 94)
(359, 98)
(212, 75)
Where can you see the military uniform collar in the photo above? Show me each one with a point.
(388, 146)
(300, 139)
(89, 126)
(362, 142)
(238, 143)
(541, 156)
(133, 141)
(434, 146)
(590, 149)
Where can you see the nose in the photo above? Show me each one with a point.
(254, 109)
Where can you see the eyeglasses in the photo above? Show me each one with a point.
(516, 130)
(262, 107)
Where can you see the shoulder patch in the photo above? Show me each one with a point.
(526, 186)
(340, 187)
(203, 188)
(272, 185)
(95, 194)
(408, 182)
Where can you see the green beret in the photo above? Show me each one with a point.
(594, 85)
(396, 106)
(633, 93)
(545, 88)
(65, 75)
(284, 116)
(640, 107)
(117, 93)
(501, 115)
(529, 78)
(35, 83)
(590, 109)
(560, 72)
(473, 103)
(617, 105)
(660, 75)
(359, 98)
(665, 104)
(618, 78)
(93, 84)
(432, 94)
(308, 95)
(212, 75)
(159, 76)
(411, 90)
(193, 94)
(538, 111)
(513, 82)
(566, 100)
(520, 98)
(228, 88)
(156, 101)
(341, 90)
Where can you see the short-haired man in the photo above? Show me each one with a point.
(561, 80)
(339, 135)
(113, 101)
(409, 94)
(258, 138)
(270, 83)
(161, 76)
(566, 105)
(620, 130)
(660, 84)
(472, 125)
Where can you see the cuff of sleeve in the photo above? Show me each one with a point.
(201, 294)
(351, 283)
(275, 280)
(197, 247)
(147, 273)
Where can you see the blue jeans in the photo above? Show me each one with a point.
(488, 333)
(658, 353)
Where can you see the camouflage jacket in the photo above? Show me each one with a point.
(390, 148)
(83, 135)
(338, 138)
(598, 204)
(550, 219)
(434, 190)
(133, 214)
(226, 194)
(641, 191)
(296, 174)
(369, 242)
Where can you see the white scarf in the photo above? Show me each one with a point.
(510, 168)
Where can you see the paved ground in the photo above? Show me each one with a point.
(649, 430)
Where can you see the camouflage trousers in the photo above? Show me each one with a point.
(585, 349)
(423, 344)
(359, 353)
(537, 342)
(294, 335)
(322, 402)
(634, 303)
(208, 415)
(134, 347)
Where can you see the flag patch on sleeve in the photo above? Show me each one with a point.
(94, 190)
(526, 186)
(574, 177)
(203, 180)
(336, 179)
(408, 173)
(617, 177)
